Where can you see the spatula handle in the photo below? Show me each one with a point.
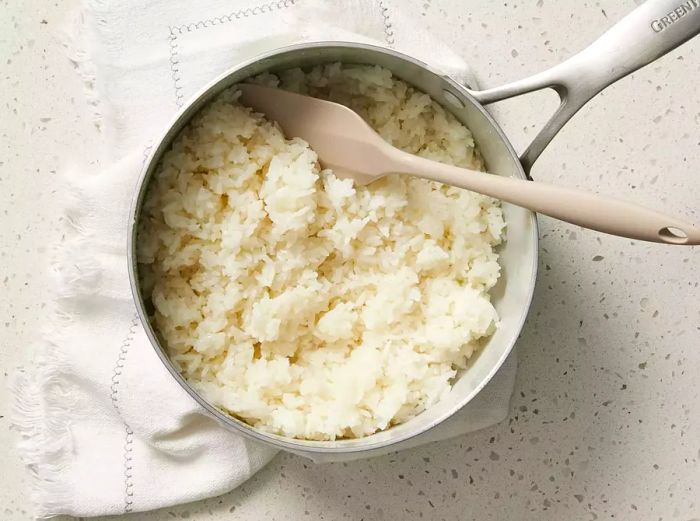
(597, 212)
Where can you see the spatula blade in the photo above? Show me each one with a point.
(340, 137)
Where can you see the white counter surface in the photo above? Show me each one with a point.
(605, 421)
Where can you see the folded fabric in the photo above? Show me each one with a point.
(104, 428)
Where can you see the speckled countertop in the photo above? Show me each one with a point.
(605, 421)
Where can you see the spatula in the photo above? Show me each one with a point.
(345, 143)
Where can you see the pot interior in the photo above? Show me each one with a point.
(518, 255)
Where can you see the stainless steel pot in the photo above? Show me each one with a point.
(653, 29)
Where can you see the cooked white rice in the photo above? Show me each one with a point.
(298, 302)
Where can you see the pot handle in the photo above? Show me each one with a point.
(647, 33)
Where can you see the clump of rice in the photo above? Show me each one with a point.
(298, 302)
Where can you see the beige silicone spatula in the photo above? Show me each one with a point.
(349, 146)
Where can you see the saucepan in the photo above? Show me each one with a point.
(649, 32)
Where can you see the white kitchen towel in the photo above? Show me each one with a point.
(104, 428)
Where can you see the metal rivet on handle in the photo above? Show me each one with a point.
(452, 99)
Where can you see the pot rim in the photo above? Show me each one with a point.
(228, 421)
